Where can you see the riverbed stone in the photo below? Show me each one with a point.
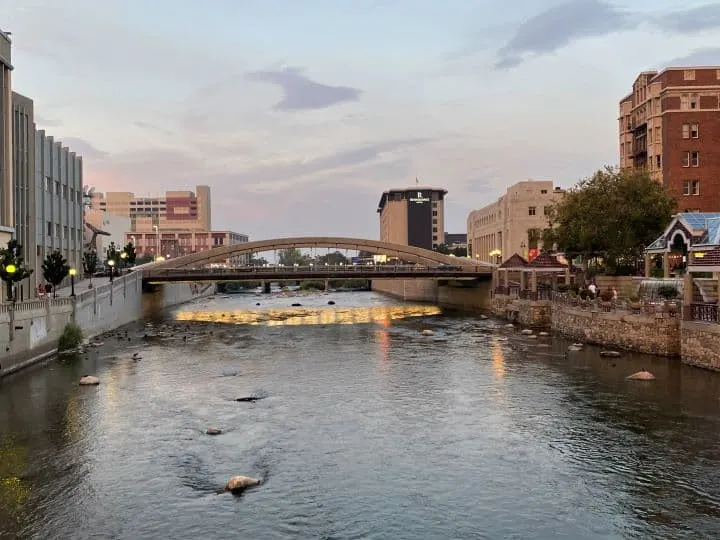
(610, 354)
(526, 332)
(89, 380)
(237, 484)
(213, 431)
(642, 375)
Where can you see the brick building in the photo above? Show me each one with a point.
(670, 126)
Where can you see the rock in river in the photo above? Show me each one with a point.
(89, 380)
(642, 375)
(213, 431)
(238, 484)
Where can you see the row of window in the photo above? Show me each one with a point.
(62, 190)
(63, 231)
(532, 210)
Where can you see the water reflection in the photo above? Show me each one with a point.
(310, 316)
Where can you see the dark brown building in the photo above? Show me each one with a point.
(670, 126)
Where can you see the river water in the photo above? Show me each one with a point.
(367, 429)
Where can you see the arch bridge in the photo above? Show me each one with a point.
(427, 263)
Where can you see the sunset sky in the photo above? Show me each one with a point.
(299, 113)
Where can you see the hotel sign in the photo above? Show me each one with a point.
(420, 198)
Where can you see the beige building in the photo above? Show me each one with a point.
(6, 172)
(171, 244)
(504, 224)
(177, 210)
(413, 216)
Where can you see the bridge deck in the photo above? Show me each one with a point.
(278, 273)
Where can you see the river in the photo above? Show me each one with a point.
(367, 429)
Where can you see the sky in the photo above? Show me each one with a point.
(299, 114)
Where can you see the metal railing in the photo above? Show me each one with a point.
(704, 312)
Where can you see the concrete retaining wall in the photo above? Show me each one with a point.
(474, 298)
(414, 290)
(30, 332)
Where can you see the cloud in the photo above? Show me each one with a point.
(560, 25)
(707, 56)
(691, 20)
(46, 122)
(301, 93)
(82, 148)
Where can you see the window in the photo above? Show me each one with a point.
(434, 221)
(49, 228)
(695, 159)
(434, 213)
(686, 131)
(694, 101)
(64, 192)
(547, 210)
(48, 184)
(543, 191)
(694, 131)
(434, 229)
(531, 210)
(691, 187)
(686, 159)
(57, 187)
(65, 232)
(658, 161)
(684, 101)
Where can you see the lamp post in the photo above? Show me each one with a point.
(111, 263)
(10, 269)
(522, 248)
(72, 273)
(123, 256)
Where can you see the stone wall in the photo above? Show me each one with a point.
(700, 344)
(653, 334)
(414, 290)
(535, 313)
(626, 286)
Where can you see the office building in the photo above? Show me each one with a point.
(413, 216)
(670, 126)
(58, 204)
(171, 244)
(504, 225)
(455, 241)
(23, 138)
(177, 210)
(6, 191)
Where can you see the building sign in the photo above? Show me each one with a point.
(420, 198)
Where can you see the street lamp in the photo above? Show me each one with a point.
(10, 269)
(72, 273)
(111, 263)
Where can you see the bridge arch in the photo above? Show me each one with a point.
(407, 253)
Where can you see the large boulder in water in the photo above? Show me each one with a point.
(238, 484)
(89, 380)
(642, 375)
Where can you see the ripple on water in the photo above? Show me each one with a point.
(367, 431)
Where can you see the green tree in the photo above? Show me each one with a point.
(460, 252)
(614, 215)
(292, 256)
(534, 237)
(90, 262)
(257, 261)
(333, 259)
(12, 266)
(130, 254)
(144, 258)
(442, 248)
(55, 268)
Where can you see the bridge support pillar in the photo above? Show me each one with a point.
(266, 287)
(327, 285)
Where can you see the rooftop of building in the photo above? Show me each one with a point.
(703, 228)
(411, 189)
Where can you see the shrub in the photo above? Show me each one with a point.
(584, 294)
(606, 295)
(71, 337)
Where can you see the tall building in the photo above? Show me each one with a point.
(670, 126)
(58, 204)
(6, 191)
(177, 210)
(413, 216)
(23, 137)
(505, 224)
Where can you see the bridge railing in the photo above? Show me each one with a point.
(319, 270)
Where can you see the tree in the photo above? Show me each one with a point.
(292, 256)
(145, 258)
(614, 214)
(130, 254)
(333, 259)
(257, 261)
(112, 254)
(534, 237)
(12, 267)
(460, 252)
(442, 248)
(90, 262)
(55, 268)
